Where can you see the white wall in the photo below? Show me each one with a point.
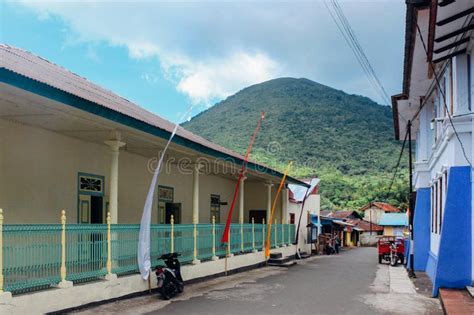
(373, 214)
(312, 206)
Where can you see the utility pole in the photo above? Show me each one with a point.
(411, 270)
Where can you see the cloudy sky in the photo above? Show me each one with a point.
(168, 55)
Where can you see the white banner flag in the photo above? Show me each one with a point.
(143, 255)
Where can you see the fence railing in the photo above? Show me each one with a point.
(33, 260)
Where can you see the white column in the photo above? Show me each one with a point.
(196, 194)
(241, 212)
(269, 200)
(197, 167)
(115, 146)
(241, 200)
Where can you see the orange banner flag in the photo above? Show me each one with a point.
(269, 227)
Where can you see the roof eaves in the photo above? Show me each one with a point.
(29, 84)
(410, 37)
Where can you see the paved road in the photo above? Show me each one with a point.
(350, 283)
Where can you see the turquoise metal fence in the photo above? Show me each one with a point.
(31, 257)
(221, 249)
(204, 241)
(86, 251)
(32, 253)
(292, 233)
(124, 240)
(247, 235)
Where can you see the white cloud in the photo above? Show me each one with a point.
(213, 49)
(204, 81)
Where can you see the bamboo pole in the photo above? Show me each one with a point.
(276, 234)
(195, 252)
(253, 234)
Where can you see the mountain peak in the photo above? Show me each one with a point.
(320, 128)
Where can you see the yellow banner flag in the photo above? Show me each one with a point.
(269, 227)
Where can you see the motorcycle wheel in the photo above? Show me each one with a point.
(164, 292)
(393, 261)
(180, 288)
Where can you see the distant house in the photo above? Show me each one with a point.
(394, 223)
(295, 198)
(373, 211)
(355, 230)
(367, 232)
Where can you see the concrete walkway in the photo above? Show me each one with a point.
(394, 292)
(350, 283)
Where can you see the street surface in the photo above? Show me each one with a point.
(350, 283)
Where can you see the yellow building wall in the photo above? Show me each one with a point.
(39, 173)
(388, 230)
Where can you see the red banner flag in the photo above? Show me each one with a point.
(225, 236)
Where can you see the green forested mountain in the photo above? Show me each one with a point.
(346, 140)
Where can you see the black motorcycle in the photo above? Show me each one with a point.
(169, 280)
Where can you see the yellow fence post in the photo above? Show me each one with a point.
(263, 234)
(172, 234)
(64, 283)
(214, 257)
(253, 236)
(241, 238)
(109, 275)
(109, 247)
(276, 234)
(229, 254)
(195, 260)
(5, 297)
(63, 245)
(283, 234)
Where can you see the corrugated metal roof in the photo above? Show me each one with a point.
(39, 69)
(394, 219)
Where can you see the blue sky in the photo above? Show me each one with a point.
(166, 56)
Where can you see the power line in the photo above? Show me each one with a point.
(398, 164)
(444, 97)
(353, 48)
(351, 39)
(361, 51)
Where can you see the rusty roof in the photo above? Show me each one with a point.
(381, 205)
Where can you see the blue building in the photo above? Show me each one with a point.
(437, 98)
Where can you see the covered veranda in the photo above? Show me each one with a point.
(76, 162)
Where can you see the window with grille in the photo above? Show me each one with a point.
(91, 184)
(216, 208)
